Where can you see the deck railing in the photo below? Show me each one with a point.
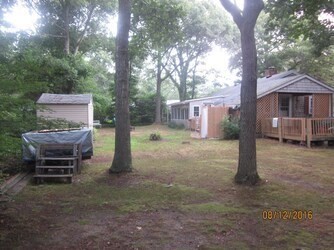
(299, 129)
(294, 128)
(268, 128)
(321, 127)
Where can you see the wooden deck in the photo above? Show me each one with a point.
(299, 129)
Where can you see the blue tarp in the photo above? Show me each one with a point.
(31, 140)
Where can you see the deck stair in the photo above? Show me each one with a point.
(57, 161)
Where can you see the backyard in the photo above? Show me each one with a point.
(180, 195)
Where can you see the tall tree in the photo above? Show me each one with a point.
(70, 26)
(122, 161)
(245, 20)
(203, 26)
(157, 25)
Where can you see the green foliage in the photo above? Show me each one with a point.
(285, 40)
(142, 111)
(175, 125)
(86, 32)
(155, 136)
(306, 19)
(230, 128)
(56, 124)
(10, 149)
(203, 26)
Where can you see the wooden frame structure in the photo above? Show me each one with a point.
(299, 129)
(57, 161)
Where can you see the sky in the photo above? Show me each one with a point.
(21, 19)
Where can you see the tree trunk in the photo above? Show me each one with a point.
(246, 20)
(158, 91)
(247, 169)
(122, 161)
(66, 9)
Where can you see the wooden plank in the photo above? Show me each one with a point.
(280, 131)
(59, 158)
(271, 135)
(308, 132)
(53, 175)
(74, 160)
(56, 167)
(79, 162)
(12, 182)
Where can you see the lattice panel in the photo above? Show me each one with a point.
(321, 105)
(267, 107)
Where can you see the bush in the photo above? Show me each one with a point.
(56, 124)
(230, 128)
(155, 137)
(175, 125)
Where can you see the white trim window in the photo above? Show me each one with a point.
(196, 111)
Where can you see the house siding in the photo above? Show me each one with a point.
(74, 113)
(191, 108)
(267, 106)
(322, 105)
(90, 115)
(304, 85)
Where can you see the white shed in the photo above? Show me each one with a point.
(74, 108)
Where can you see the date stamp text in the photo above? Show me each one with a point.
(269, 214)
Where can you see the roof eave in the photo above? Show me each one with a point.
(291, 81)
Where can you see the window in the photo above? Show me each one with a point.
(173, 113)
(284, 105)
(196, 111)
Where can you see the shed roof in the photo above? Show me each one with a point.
(64, 99)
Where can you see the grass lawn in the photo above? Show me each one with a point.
(180, 195)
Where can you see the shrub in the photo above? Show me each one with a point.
(230, 128)
(155, 137)
(175, 125)
(56, 124)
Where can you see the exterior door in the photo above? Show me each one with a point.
(285, 105)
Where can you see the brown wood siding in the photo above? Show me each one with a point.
(74, 113)
(321, 105)
(215, 117)
(267, 107)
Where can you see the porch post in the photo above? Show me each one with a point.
(308, 132)
(280, 129)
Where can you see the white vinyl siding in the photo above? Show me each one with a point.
(90, 115)
(74, 113)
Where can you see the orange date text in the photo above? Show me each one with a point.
(287, 214)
